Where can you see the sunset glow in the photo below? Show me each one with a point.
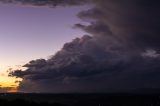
(8, 84)
(19, 44)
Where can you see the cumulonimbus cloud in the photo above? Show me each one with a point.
(121, 53)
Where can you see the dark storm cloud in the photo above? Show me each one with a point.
(121, 53)
(131, 23)
(50, 3)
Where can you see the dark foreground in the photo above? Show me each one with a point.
(8, 99)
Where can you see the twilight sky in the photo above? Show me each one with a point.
(29, 33)
(120, 53)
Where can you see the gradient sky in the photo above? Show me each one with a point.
(122, 53)
(29, 33)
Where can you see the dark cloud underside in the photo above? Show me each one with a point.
(51, 3)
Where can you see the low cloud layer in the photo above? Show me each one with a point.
(7, 89)
(120, 54)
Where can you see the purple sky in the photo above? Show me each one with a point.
(29, 33)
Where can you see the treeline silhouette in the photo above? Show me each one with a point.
(79, 100)
(21, 102)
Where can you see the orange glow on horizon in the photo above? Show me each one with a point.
(8, 89)
(8, 84)
(12, 90)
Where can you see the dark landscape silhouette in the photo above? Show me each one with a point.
(114, 99)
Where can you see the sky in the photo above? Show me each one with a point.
(81, 46)
(29, 33)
